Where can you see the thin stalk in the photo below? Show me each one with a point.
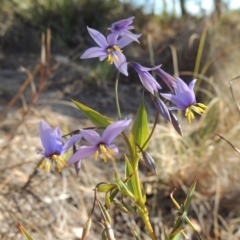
(152, 131)
(116, 97)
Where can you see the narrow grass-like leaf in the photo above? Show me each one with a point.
(188, 200)
(95, 117)
(24, 231)
(134, 232)
(131, 184)
(122, 207)
(86, 228)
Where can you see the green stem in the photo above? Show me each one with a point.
(140, 204)
(144, 215)
(116, 97)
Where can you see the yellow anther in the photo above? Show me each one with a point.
(106, 153)
(59, 161)
(45, 164)
(198, 108)
(203, 106)
(117, 48)
(112, 55)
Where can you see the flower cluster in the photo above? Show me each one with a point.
(54, 149)
(182, 96)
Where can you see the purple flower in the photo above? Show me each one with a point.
(122, 28)
(185, 99)
(146, 78)
(109, 48)
(100, 145)
(52, 143)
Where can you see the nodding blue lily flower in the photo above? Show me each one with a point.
(185, 99)
(109, 48)
(122, 28)
(146, 78)
(100, 145)
(54, 149)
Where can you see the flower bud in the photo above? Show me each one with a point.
(149, 161)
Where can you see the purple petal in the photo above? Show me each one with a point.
(149, 82)
(176, 108)
(131, 36)
(181, 88)
(81, 153)
(71, 141)
(167, 78)
(124, 41)
(162, 108)
(102, 57)
(94, 52)
(113, 130)
(58, 140)
(175, 99)
(120, 63)
(139, 68)
(121, 25)
(184, 93)
(48, 139)
(192, 84)
(112, 39)
(98, 37)
(91, 136)
(113, 147)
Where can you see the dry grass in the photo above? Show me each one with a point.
(55, 206)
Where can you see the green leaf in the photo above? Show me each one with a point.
(140, 130)
(95, 117)
(176, 235)
(123, 208)
(105, 187)
(131, 184)
(123, 187)
(24, 231)
(144, 197)
(107, 201)
(188, 200)
(113, 193)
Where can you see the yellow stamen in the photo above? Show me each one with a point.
(106, 153)
(60, 162)
(96, 154)
(198, 108)
(47, 163)
(112, 55)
